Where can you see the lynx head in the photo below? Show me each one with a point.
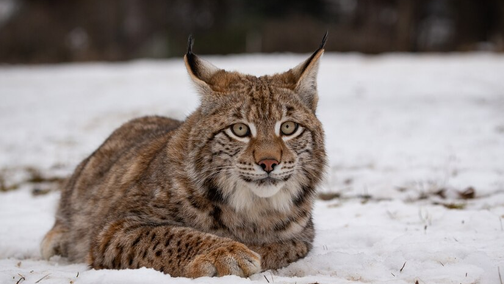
(255, 142)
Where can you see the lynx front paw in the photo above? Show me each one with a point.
(233, 259)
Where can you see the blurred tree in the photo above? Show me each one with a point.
(36, 31)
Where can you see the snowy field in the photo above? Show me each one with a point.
(414, 190)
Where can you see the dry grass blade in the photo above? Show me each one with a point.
(328, 196)
(272, 279)
(22, 278)
(469, 193)
(266, 278)
(402, 267)
(500, 277)
(457, 206)
(42, 278)
(4, 187)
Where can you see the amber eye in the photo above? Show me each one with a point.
(240, 129)
(288, 128)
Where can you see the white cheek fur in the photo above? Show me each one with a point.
(253, 129)
(277, 127)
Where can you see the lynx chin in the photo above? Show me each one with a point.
(228, 191)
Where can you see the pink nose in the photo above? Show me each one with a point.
(268, 165)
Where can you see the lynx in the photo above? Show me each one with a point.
(228, 191)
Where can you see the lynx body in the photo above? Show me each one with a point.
(228, 191)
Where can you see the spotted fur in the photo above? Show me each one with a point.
(192, 198)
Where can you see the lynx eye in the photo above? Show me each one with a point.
(240, 129)
(288, 127)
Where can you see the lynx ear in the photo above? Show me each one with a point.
(303, 78)
(201, 71)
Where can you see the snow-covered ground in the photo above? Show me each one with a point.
(415, 187)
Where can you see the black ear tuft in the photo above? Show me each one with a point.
(321, 47)
(191, 57)
(324, 39)
(190, 43)
(200, 71)
(305, 77)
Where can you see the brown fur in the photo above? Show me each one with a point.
(189, 198)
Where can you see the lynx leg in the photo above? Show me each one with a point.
(232, 258)
(277, 255)
(177, 251)
(52, 244)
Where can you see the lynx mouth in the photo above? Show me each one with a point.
(267, 181)
(264, 187)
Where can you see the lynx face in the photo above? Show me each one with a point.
(261, 152)
(263, 142)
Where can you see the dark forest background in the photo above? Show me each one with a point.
(48, 31)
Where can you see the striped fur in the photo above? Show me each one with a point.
(190, 198)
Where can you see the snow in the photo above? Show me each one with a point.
(406, 135)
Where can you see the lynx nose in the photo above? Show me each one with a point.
(268, 165)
